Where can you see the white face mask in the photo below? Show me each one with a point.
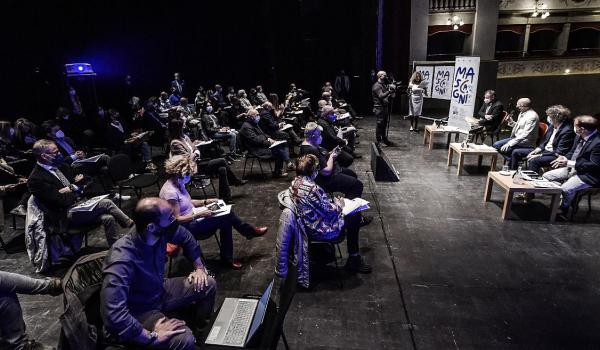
(59, 134)
(487, 100)
(186, 179)
(11, 131)
(575, 130)
(209, 109)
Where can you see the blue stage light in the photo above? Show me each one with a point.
(73, 69)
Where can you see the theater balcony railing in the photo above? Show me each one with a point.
(436, 6)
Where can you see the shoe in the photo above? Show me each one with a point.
(258, 232)
(291, 166)
(123, 198)
(365, 220)
(356, 155)
(33, 345)
(233, 264)
(357, 263)
(277, 174)
(151, 167)
(55, 287)
(389, 143)
(411, 129)
(239, 183)
(20, 210)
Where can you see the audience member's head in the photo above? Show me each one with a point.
(523, 104)
(557, 114)
(183, 101)
(176, 76)
(259, 88)
(164, 95)
(267, 106)
(292, 87)
(321, 104)
(312, 133)
(307, 165)
(63, 113)
(6, 130)
(326, 95)
(46, 152)
(153, 218)
(208, 107)
(241, 93)
(381, 76)
(175, 129)
(52, 130)
(181, 167)
(252, 115)
(114, 115)
(24, 130)
(585, 125)
(489, 96)
(327, 113)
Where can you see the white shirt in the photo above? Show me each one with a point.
(549, 146)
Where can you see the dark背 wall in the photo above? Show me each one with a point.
(577, 92)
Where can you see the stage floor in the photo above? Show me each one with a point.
(448, 271)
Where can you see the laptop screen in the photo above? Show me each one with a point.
(261, 308)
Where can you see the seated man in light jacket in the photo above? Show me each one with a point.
(524, 133)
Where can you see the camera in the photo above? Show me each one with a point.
(394, 85)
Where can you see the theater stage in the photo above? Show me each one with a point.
(448, 271)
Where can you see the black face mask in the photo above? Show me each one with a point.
(171, 229)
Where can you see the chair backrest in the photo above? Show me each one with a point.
(543, 129)
(119, 167)
(273, 327)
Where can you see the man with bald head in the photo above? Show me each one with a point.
(580, 168)
(135, 296)
(524, 133)
(381, 94)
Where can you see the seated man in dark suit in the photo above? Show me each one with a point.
(56, 188)
(70, 151)
(557, 142)
(333, 138)
(580, 168)
(258, 143)
(269, 124)
(489, 115)
(119, 139)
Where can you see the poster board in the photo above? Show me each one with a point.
(442, 82)
(464, 89)
(427, 74)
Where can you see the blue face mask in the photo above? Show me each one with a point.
(550, 122)
(58, 159)
(209, 109)
(333, 117)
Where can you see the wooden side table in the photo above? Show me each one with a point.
(472, 149)
(506, 183)
(431, 130)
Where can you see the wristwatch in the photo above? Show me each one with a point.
(153, 337)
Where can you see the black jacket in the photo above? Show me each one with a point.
(329, 134)
(255, 140)
(495, 111)
(587, 163)
(268, 124)
(45, 186)
(563, 141)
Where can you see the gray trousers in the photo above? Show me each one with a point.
(12, 326)
(108, 213)
(571, 183)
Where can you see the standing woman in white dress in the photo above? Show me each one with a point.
(415, 100)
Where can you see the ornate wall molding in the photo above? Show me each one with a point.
(521, 5)
(534, 68)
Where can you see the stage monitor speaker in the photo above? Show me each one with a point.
(382, 168)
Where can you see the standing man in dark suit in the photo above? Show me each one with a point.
(56, 188)
(258, 143)
(580, 168)
(177, 85)
(381, 93)
(490, 114)
(558, 140)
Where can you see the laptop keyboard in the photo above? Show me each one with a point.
(242, 316)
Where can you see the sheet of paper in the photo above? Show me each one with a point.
(277, 143)
(354, 205)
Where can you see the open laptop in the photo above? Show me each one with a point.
(238, 320)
